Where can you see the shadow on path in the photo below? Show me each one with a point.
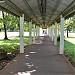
(40, 58)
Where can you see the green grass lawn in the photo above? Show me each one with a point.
(69, 49)
(12, 44)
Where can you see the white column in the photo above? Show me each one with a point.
(22, 34)
(62, 36)
(49, 31)
(58, 29)
(34, 33)
(30, 32)
(52, 35)
(55, 38)
(38, 31)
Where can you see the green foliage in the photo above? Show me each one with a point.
(58, 38)
(73, 22)
(73, 58)
(26, 26)
(10, 20)
(70, 23)
(0, 20)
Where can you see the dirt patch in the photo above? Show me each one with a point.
(5, 59)
(69, 59)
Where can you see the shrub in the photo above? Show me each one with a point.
(58, 38)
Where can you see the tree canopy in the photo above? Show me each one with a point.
(12, 22)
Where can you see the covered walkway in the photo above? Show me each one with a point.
(40, 58)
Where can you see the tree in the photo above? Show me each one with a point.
(4, 22)
(68, 29)
(69, 26)
(73, 22)
(1, 26)
(9, 21)
(26, 26)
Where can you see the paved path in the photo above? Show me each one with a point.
(40, 58)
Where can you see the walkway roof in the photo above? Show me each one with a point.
(42, 12)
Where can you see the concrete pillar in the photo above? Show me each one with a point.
(30, 32)
(52, 35)
(49, 31)
(62, 36)
(38, 31)
(55, 36)
(58, 29)
(34, 33)
(22, 34)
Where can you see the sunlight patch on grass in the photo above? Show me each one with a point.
(13, 44)
(72, 40)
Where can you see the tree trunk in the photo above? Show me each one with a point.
(67, 31)
(19, 29)
(5, 30)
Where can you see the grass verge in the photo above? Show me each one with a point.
(69, 50)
